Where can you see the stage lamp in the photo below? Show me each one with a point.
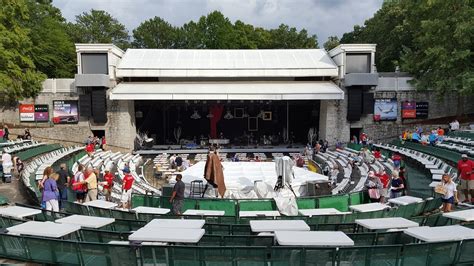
(195, 115)
(228, 115)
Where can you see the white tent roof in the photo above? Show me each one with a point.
(248, 90)
(226, 63)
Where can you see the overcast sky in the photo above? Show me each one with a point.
(321, 17)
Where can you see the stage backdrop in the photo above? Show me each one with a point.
(65, 112)
(385, 109)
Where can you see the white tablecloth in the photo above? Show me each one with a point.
(204, 212)
(44, 229)
(313, 238)
(18, 212)
(323, 211)
(369, 207)
(386, 223)
(466, 215)
(150, 210)
(181, 235)
(278, 225)
(86, 221)
(259, 213)
(176, 223)
(405, 200)
(101, 204)
(440, 233)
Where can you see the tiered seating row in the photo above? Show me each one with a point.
(22, 146)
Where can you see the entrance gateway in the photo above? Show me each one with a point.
(243, 97)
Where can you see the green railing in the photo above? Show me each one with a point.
(3, 200)
(55, 251)
(461, 134)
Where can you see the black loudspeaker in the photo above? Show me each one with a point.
(354, 104)
(99, 106)
(367, 103)
(85, 105)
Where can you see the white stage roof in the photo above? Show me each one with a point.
(226, 63)
(236, 90)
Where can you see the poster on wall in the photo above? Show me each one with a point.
(385, 109)
(41, 113)
(408, 109)
(27, 112)
(65, 112)
(422, 109)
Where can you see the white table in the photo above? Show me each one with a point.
(323, 211)
(466, 215)
(440, 233)
(405, 200)
(86, 221)
(44, 229)
(434, 184)
(18, 212)
(313, 238)
(151, 210)
(386, 223)
(204, 212)
(176, 223)
(369, 207)
(177, 235)
(259, 213)
(100, 204)
(278, 225)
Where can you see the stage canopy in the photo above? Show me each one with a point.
(241, 90)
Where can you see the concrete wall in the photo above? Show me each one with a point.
(333, 125)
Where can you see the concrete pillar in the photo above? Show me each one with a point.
(121, 129)
(333, 125)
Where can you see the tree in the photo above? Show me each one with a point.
(18, 75)
(331, 43)
(53, 51)
(98, 26)
(441, 57)
(289, 38)
(155, 33)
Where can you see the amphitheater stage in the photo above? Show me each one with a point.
(241, 177)
(177, 149)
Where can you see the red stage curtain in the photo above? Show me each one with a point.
(216, 111)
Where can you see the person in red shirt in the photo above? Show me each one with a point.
(377, 154)
(108, 184)
(466, 172)
(127, 189)
(385, 179)
(90, 149)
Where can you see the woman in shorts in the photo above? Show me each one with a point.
(451, 194)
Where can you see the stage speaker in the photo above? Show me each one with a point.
(99, 106)
(354, 104)
(85, 105)
(367, 103)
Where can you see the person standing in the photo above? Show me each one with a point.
(108, 184)
(104, 143)
(127, 190)
(90, 179)
(78, 185)
(51, 193)
(6, 132)
(396, 186)
(374, 187)
(179, 162)
(177, 197)
(385, 179)
(7, 165)
(465, 171)
(450, 196)
(397, 160)
(63, 183)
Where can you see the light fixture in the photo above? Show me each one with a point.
(209, 115)
(261, 114)
(195, 115)
(228, 115)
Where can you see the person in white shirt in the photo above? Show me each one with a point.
(7, 162)
(450, 196)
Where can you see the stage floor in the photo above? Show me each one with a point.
(240, 176)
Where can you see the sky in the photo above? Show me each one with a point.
(321, 17)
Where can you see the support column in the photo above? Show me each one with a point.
(333, 125)
(120, 130)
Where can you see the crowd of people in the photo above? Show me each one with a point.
(86, 184)
(418, 135)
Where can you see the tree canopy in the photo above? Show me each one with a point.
(98, 26)
(215, 31)
(432, 40)
(331, 43)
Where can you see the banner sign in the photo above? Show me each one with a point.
(385, 109)
(41, 113)
(27, 113)
(414, 110)
(65, 112)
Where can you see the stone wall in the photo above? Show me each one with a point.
(333, 125)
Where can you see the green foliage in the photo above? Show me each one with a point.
(215, 31)
(331, 43)
(98, 26)
(53, 52)
(18, 75)
(432, 40)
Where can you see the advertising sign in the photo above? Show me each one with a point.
(385, 109)
(41, 113)
(422, 109)
(65, 112)
(408, 109)
(27, 112)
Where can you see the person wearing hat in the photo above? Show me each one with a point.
(374, 187)
(127, 189)
(466, 172)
